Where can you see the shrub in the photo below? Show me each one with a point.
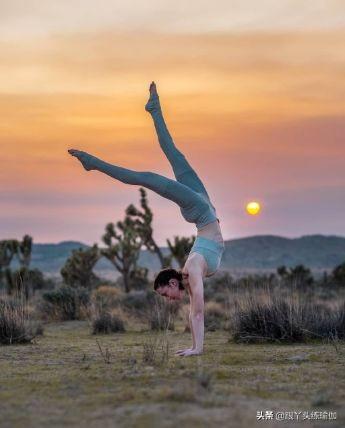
(106, 297)
(65, 303)
(339, 274)
(148, 306)
(138, 302)
(215, 316)
(299, 275)
(162, 315)
(15, 323)
(106, 323)
(156, 350)
(286, 320)
(217, 287)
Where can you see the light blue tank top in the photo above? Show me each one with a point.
(212, 252)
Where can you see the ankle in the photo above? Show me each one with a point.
(153, 104)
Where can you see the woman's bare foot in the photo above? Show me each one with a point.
(85, 158)
(153, 102)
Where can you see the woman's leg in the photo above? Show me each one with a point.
(184, 173)
(177, 192)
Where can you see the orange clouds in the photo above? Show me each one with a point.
(267, 103)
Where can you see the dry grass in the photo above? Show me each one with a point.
(65, 380)
(16, 324)
(267, 315)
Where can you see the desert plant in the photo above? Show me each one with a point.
(26, 282)
(8, 248)
(105, 323)
(78, 269)
(138, 302)
(16, 326)
(338, 274)
(106, 297)
(65, 303)
(139, 278)
(24, 251)
(123, 247)
(285, 320)
(299, 275)
(215, 316)
(156, 349)
(143, 223)
(180, 248)
(162, 315)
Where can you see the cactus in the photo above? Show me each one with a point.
(24, 251)
(123, 247)
(181, 248)
(143, 223)
(8, 248)
(77, 271)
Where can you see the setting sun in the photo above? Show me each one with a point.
(253, 208)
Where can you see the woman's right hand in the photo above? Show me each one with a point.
(182, 351)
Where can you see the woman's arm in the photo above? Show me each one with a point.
(196, 316)
(197, 310)
(191, 329)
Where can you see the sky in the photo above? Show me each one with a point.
(253, 96)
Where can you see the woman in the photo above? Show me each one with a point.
(190, 195)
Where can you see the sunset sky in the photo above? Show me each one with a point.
(253, 94)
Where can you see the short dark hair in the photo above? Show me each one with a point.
(165, 275)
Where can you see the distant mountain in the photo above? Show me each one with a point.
(252, 254)
(269, 252)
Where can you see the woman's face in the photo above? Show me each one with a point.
(171, 291)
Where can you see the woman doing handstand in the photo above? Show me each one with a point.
(189, 193)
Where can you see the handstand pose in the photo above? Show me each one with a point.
(190, 195)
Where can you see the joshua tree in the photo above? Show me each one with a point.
(24, 282)
(123, 247)
(24, 251)
(339, 274)
(181, 248)
(300, 275)
(8, 248)
(143, 223)
(77, 271)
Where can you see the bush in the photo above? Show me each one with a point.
(218, 286)
(106, 323)
(15, 323)
(215, 316)
(156, 350)
(138, 302)
(339, 274)
(148, 306)
(283, 320)
(162, 315)
(65, 303)
(106, 297)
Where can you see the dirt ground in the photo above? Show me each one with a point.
(71, 378)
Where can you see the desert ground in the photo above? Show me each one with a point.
(69, 377)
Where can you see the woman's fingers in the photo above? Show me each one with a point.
(181, 351)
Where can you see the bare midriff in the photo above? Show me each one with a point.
(211, 231)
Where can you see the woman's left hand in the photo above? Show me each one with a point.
(189, 352)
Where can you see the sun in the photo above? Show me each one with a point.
(253, 208)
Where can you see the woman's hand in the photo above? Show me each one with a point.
(181, 351)
(188, 352)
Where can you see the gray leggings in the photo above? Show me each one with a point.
(184, 192)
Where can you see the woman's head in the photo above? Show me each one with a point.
(168, 283)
